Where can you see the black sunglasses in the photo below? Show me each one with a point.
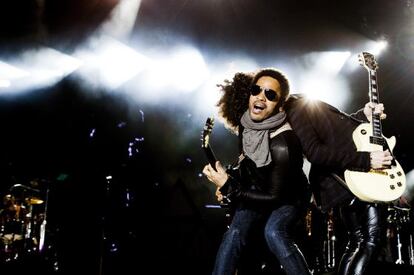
(269, 93)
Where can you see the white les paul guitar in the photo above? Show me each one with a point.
(377, 185)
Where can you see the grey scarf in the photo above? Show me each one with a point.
(256, 137)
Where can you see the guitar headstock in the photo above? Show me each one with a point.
(368, 61)
(208, 128)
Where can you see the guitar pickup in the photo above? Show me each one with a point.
(377, 140)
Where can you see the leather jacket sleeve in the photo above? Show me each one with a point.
(319, 128)
(244, 185)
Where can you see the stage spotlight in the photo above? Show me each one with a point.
(327, 62)
(377, 47)
(122, 19)
(183, 69)
(208, 96)
(4, 83)
(334, 91)
(373, 47)
(108, 63)
(9, 73)
(320, 78)
(37, 69)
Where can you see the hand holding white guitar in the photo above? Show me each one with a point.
(380, 159)
(377, 108)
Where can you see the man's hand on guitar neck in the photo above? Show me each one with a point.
(219, 178)
(380, 159)
(377, 108)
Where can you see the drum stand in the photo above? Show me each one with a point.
(42, 233)
(28, 233)
(330, 242)
(411, 250)
(402, 219)
(399, 245)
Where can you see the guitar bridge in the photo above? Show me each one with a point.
(379, 171)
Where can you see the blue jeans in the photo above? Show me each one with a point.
(277, 236)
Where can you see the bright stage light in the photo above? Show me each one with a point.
(4, 83)
(334, 91)
(186, 70)
(37, 69)
(327, 62)
(122, 19)
(109, 63)
(8, 72)
(373, 47)
(319, 77)
(377, 47)
(182, 70)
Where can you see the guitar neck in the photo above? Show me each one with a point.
(210, 156)
(374, 98)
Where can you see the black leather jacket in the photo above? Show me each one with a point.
(281, 182)
(325, 134)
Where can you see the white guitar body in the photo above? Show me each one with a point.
(383, 185)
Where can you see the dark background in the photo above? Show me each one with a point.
(152, 213)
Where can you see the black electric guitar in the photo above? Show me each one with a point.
(205, 142)
(377, 185)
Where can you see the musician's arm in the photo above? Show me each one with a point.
(360, 115)
(233, 191)
(310, 120)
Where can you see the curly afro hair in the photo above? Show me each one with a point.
(236, 93)
(235, 99)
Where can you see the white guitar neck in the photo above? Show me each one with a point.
(374, 98)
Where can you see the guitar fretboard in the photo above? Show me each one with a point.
(374, 98)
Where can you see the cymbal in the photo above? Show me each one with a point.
(34, 200)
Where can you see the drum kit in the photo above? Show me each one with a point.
(321, 230)
(22, 222)
(400, 246)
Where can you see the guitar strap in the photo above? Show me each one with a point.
(285, 127)
(340, 180)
